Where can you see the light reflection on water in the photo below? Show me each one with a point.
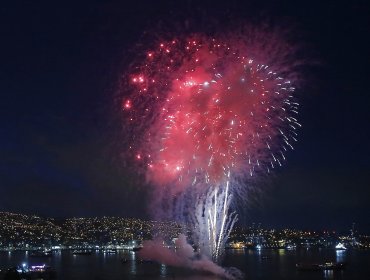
(340, 255)
(281, 252)
(163, 270)
(328, 274)
(256, 264)
(133, 262)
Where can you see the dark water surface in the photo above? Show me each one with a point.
(264, 264)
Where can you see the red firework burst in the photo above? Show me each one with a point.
(209, 109)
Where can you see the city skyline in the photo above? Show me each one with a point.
(23, 232)
(253, 224)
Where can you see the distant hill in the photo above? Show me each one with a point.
(25, 231)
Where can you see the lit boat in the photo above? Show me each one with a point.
(340, 246)
(82, 252)
(33, 272)
(110, 251)
(291, 247)
(308, 266)
(333, 266)
(42, 254)
(325, 266)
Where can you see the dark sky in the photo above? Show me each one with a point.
(60, 137)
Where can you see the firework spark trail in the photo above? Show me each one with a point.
(207, 113)
(214, 222)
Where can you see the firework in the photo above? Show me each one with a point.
(213, 222)
(206, 113)
(210, 108)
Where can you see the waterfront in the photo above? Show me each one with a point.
(264, 264)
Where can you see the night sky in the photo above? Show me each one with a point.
(61, 136)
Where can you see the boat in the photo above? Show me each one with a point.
(82, 252)
(235, 246)
(30, 272)
(135, 249)
(110, 251)
(324, 266)
(41, 254)
(291, 247)
(333, 266)
(340, 246)
(308, 266)
(142, 261)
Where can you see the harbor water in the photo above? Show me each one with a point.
(255, 264)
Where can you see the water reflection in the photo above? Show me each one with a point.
(250, 252)
(328, 274)
(133, 262)
(281, 252)
(266, 264)
(340, 255)
(163, 270)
